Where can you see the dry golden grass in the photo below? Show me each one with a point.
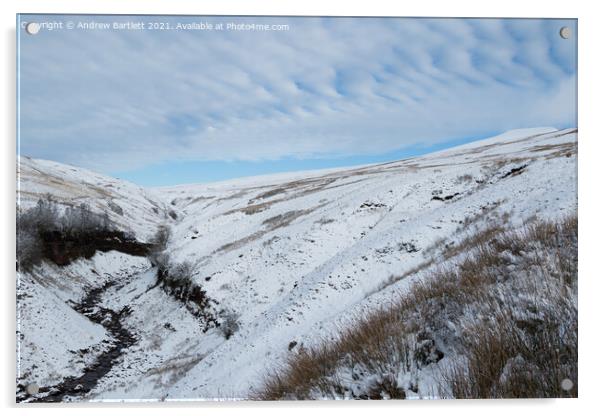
(375, 343)
(512, 297)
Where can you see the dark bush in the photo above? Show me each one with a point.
(45, 232)
(29, 248)
(157, 255)
(177, 280)
(228, 323)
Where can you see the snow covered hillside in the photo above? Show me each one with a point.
(292, 258)
(131, 207)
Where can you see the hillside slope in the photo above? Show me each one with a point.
(297, 256)
(129, 206)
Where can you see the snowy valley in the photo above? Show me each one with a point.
(253, 271)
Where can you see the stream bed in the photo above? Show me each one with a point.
(78, 386)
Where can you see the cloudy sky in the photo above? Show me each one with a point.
(180, 106)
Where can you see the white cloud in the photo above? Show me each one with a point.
(327, 87)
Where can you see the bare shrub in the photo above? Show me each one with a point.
(161, 237)
(80, 219)
(177, 280)
(43, 217)
(37, 224)
(157, 255)
(31, 224)
(29, 248)
(228, 322)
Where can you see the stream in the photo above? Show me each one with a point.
(78, 386)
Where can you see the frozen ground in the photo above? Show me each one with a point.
(296, 256)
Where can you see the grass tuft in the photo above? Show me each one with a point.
(499, 320)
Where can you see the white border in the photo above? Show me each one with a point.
(590, 209)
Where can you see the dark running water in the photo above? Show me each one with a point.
(79, 386)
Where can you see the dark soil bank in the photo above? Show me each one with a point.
(61, 248)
